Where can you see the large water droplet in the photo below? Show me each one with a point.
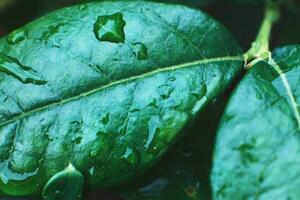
(110, 28)
(8, 174)
(140, 51)
(131, 156)
(16, 37)
(24, 74)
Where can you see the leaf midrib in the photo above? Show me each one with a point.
(288, 89)
(125, 80)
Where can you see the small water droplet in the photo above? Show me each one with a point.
(16, 37)
(259, 95)
(153, 103)
(165, 91)
(131, 156)
(92, 170)
(201, 92)
(82, 7)
(52, 29)
(153, 129)
(78, 140)
(95, 151)
(57, 192)
(140, 51)
(25, 74)
(110, 28)
(75, 126)
(172, 79)
(135, 110)
(214, 101)
(105, 119)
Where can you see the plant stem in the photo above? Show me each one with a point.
(260, 47)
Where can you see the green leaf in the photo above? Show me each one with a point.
(183, 174)
(109, 103)
(257, 150)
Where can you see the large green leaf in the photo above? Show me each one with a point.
(106, 87)
(257, 151)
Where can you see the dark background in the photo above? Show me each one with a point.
(241, 19)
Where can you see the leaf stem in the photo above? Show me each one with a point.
(260, 47)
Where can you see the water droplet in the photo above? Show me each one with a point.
(110, 28)
(78, 140)
(172, 79)
(8, 174)
(53, 29)
(165, 91)
(16, 37)
(75, 126)
(214, 101)
(153, 103)
(140, 51)
(201, 92)
(131, 156)
(94, 151)
(25, 74)
(105, 119)
(82, 7)
(259, 95)
(153, 129)
(57, 191)
(92, 170)
(135, 110)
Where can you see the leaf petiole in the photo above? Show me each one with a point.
(260, 47)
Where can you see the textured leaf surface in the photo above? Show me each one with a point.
(257, 150)
(183, 174)
(111, 86)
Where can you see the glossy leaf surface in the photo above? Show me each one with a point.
(111, 86)
(257, 150)
(183, 174)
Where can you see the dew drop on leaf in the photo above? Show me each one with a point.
(131, 156)
(110, 28)
(25, 74)
(16, 37)
(153, 129)
(140, 51)
(53, 29)
(105, 119)
(199, 94)
(78, 140)
(92, 170)
(165, 91)
(82, 7)
(7, 174)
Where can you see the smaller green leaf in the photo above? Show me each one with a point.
(65, 185)
(257, 153)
